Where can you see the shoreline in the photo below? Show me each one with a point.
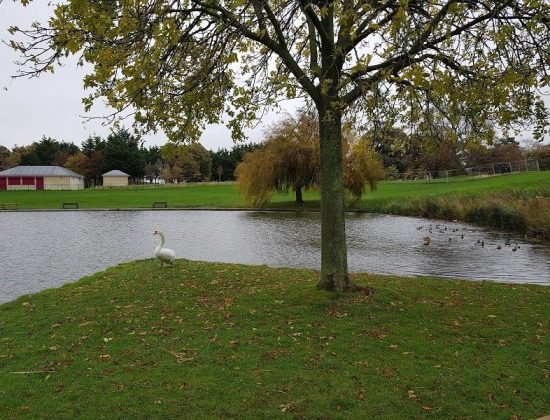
(410, 277)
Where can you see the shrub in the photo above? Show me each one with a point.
(498, 215)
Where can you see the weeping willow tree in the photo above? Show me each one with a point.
(178, 65)
(289, 160)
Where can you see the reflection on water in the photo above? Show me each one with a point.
(46, 249)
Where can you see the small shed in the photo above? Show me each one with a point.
(115, 178)
(40, 178)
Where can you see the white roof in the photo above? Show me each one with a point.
(115, 172)
(39, 171)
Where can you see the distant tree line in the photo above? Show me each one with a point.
(439, 150)
(120, 150)
(123, 151)
(409, 153)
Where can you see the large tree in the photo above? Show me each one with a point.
(4, 155)
(187, 162)
(224, 162)
(123, 151)
(180, 64)
(49, 151)
(78, 163)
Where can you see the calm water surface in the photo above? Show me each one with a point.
(39, 250)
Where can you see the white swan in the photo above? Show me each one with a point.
(165, 255)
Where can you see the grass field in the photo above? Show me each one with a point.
(226, 195)
(206, 340)
(478, 186)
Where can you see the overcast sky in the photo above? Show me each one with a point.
(51, 105)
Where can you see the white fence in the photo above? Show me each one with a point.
(526, 165)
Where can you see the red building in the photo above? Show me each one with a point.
(40, 178)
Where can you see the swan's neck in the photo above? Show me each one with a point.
(161, 241)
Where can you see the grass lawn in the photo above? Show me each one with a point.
(226, 195)
(192, 195)
(473, 186)
(206, 340)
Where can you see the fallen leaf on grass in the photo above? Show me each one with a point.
(45, 370)
(184, 355)
(537, 339)
(290, 407)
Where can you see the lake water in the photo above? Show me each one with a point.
(40, 250)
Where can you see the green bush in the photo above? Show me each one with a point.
(499, 216)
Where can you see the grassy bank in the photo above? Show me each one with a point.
(226, 195)
(519, 210)
(206, 340)
(191, 195)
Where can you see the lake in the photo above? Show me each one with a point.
(40, 250)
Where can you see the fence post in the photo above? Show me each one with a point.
(510, 164)
(493, 166)
(538, 167)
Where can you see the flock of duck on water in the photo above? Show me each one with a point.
(443, 230)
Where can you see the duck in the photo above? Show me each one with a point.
(427, 240)
(165, 255)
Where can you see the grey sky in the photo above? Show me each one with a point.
(51, 105)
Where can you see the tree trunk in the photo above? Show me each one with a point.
(299, 198)
(334, 263)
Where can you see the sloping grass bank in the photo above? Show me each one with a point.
(525, 211)
(205, 340)
(188, 195)
(226, 195)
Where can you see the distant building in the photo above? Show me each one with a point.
(115, 178)
(40, 178)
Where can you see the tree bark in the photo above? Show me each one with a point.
(334, 263)
(299, 198)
